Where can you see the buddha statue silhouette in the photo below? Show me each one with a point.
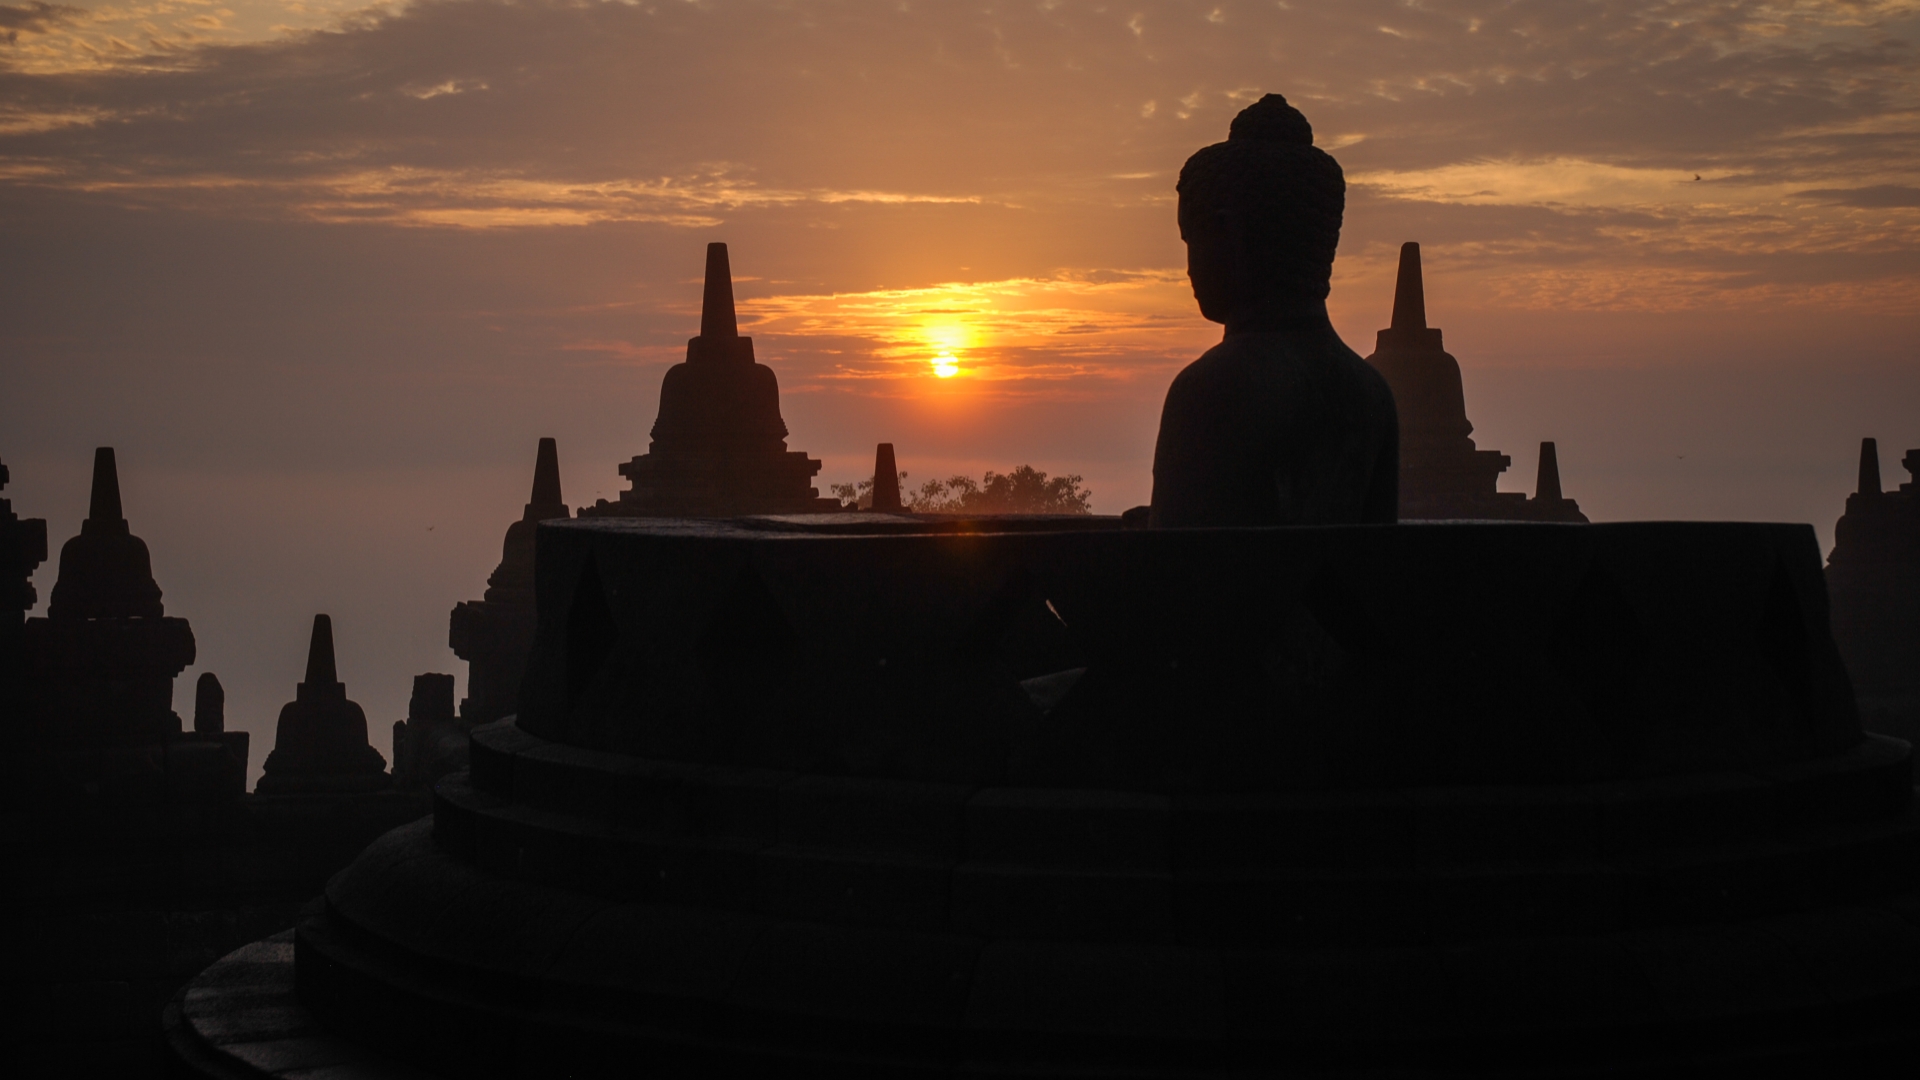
(1280, 423)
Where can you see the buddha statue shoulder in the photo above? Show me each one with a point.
(1281, 423)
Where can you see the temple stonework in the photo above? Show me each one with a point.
(493, 634)
(886, 480)
(431, 742)
(1443, 475)
(90, 684)
(136, 851)
(23, 547)
(105, 655)
(719, 445)
(1873, 581)
(320, 745)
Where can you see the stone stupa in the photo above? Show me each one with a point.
(320, 745)
(1874, 578)
(886, 481)
(719, 445)
(1443, 475)
(432, 741)
(493, 634)
(106, 654)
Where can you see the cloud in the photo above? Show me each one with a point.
(1556, 138)
(35, 18)
(1875, 197)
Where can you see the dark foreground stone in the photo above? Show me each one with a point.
(1442, 800)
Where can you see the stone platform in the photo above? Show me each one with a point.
(899, 797)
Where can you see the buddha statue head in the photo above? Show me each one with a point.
(1261, 217)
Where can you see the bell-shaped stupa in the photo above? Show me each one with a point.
(719, 445)
(105, 655)
(1873, 579)
(105, 572)
(1443, 475)
(320, 745)
(493, 634)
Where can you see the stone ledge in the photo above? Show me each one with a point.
(1619, 821)
(723, 989)
(241, 1020)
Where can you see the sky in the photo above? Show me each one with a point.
(323, 274)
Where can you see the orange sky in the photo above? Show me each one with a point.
(325, 273)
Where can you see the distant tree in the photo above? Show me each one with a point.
(1025, 490)
(861, 494)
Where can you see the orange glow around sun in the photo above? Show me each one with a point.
(1031, 332)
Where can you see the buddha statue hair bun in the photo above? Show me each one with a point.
(1286, 195)
(1271, 119)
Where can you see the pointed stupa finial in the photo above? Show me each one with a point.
(886, 479)
(320, 667)
(105, 505)
(1869, 467)
(1409, 294)
(1546, 486)
(209, 705)
(716, 306)
(546, 474)
(320, 743)
(105, 572)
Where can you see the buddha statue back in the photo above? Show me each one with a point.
(1281, 423)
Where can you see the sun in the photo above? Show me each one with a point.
(945, 366)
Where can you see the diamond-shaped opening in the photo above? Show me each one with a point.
(750, 631)
(1598, 642)
(1339, 615)
(1024, 627)
(1597, 649)
(591, 631)
(1781, 638)
(1319, 637)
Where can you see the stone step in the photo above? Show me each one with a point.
(1136, 831)
(498, 976)
(997, 887)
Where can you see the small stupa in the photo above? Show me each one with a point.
(209, 705)
(719, 445)
(1443, 475)
(320, 745)
(886, 480)
(1873, 583)
(494, 633)
(1548, 504)
(105, 656)
(432, 741)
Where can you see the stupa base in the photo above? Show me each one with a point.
(331, 784)
(809, 923)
